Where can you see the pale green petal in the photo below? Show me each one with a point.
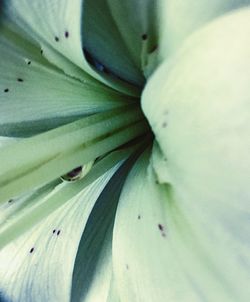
(35, 96)
(165, 248)
(200, 117)
(92, 276)
(39, 265)
(179, 18)
(136, 21)
(38, 160)
(145, 265)
(113, 295)
(56, 31)
(103, 41)
(14, 207)
(18, 215)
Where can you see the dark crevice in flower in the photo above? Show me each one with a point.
(66, 34)
(148, 137)
(144, 37)
(94, 62)
(58, 232)
(32, 250)
(102, 68)
(19, 79)
(73, 174)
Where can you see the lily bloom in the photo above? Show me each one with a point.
(124, 150)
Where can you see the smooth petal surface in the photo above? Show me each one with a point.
(39, 265)
(93, 269)
(36, 96)
(53, 27)
(102, 40)
(180, 18)
(145, 252)
(200, 118)
(136, 21)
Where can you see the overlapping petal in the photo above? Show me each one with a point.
(201, 123)
(35, 96)
(137, 23)
(103, 41)
(53, 27)
(181, 228)
(178, 19)
(39, 265)
(92, 278)
(38, 160)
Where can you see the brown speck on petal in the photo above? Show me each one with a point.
(56, 39)
(10, 201)
(6, 90)
(20, 80)
(139, 217)
(161, 228)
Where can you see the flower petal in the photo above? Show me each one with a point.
(145, 267)
(93, 266)
(53, 27)
(103, 41)
(21, 214)
(38, 160)
(137, 25)
(165, 248)
(44, 257)
(201, 123)
(35, 96)
(178, 19)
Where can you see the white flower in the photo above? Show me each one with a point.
(147, 104)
